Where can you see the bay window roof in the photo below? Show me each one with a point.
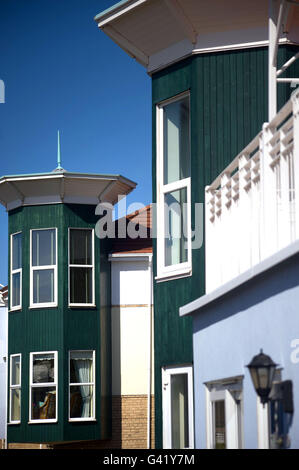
(62, 186)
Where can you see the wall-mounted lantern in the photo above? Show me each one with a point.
(262, 370)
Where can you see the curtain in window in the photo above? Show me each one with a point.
(83, 368)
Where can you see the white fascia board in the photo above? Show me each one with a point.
(118, 10)
(263, 266)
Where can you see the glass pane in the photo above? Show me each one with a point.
(43, 286)
(81, 285)
(16, 290)
(219, 425)
(81, 401)
(15, 405)
(15, 370)
(81, 367)
(179, 411)
(43, 368)
(17, 251)
(43, 401)
(176, 249)
(263, 377)
(43, 247)
(176, 141)
(80, 247)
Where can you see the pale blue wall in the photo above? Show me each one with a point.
(264, 313)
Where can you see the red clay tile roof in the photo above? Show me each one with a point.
(4, 293)
(141, 217)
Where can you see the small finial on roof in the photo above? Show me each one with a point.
(59, 167)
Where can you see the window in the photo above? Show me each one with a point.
(177, 398)
(81, 267)
(174, 187)
(43, 264)
(82, 385)
(43, 387)
(15, 389)
(224, 414)
(16, 271)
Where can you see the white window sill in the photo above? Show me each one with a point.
(12, 423)
(43, 421)
(82, 305)
(52, 305)
(82, 420)
(15, 309)
(169, 276)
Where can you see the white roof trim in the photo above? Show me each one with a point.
(263, 266)
(119, 10)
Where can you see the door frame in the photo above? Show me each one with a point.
(167, 371)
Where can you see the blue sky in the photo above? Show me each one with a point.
(61, 72)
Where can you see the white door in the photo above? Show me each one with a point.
(177, 407)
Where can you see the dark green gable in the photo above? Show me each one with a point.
(62, 329)
(229, 104)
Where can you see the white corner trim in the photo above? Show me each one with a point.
(259, 268)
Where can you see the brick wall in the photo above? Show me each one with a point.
(129, 427)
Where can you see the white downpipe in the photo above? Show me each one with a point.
(150, 261)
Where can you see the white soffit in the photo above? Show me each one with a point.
(158, 32)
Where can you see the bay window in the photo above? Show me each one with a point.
(43, 387)
(82, 385)
(16, 271)
(173, 187)
(15, 389)
(81, 267)
(43, 268)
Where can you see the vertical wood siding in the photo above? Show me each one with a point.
(62, 328)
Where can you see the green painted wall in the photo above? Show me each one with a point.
(228, 93)
(62, 329)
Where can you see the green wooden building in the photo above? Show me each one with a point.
(59, 387)
(209, 64)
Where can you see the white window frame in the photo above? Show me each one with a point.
(40, 268)
(13, 387)
(93, 384)
(15, 271)
(92, 304)
(185, 268)
(43, 385)
(166, 403)
(233, 412)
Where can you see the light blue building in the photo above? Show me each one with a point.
(258, 309)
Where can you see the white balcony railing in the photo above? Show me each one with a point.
(252, 207)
